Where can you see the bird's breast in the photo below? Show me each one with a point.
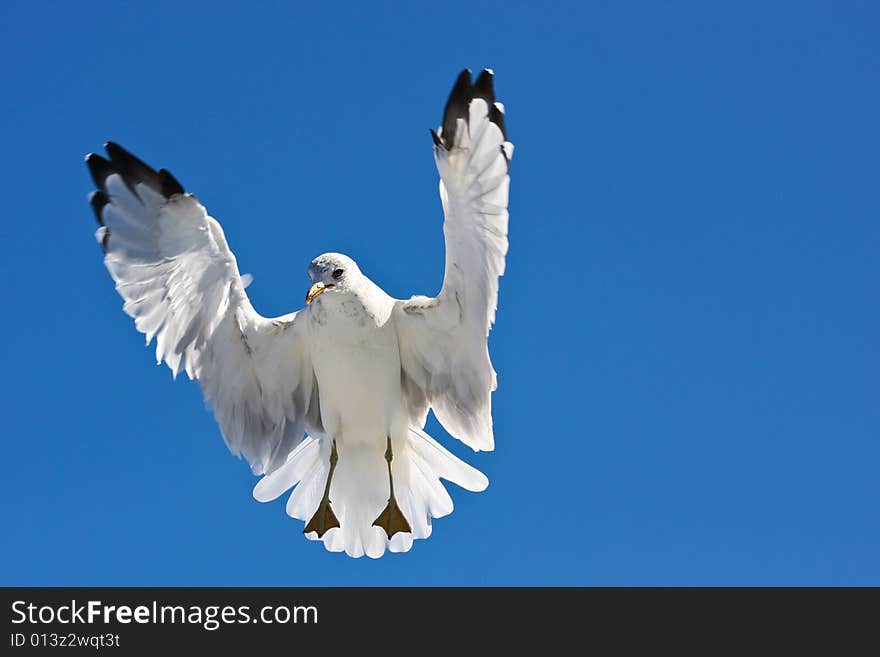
(357, 366)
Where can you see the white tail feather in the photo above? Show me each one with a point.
(359, 490)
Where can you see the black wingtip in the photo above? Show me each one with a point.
(125, 160)
(134, 170)
(435, 137)
(170, 185)
(99, 168)
(456, 105)
(484, 87)
(463, 92)
(98, 200)
(496, 116)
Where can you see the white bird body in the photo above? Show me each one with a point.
(356, 359)
(329, 401)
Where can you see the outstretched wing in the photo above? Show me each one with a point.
(443, 340)
(181, 285)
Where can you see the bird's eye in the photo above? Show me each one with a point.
(337, 273)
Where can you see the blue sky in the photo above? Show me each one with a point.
(695, 209)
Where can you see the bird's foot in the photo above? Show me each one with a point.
(323, 520)
(392, 519)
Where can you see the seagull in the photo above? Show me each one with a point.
(331, 400)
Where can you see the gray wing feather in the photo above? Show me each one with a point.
(444, 352)
(181, 285)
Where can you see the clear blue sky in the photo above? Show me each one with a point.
(695, 189)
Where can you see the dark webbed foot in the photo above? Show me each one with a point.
(324, 519)
(391, 519)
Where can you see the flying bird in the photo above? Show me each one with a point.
(330, 400)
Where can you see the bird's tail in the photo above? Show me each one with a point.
(359, 490)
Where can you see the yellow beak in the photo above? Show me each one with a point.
(315, 291)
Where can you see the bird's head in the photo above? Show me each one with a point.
(331, 272)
